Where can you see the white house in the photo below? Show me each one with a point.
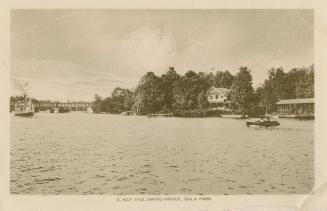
(219, 97)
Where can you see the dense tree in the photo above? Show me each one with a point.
(259, 104)
(98, 105)
(203, 102)
(209, 77)
(190, 74)
(274, 89)
(121, 100)
(187, 90)
(167, 84)
(297, 83)
(147, 94)
(107, 105)
(173, 92)
(267, 97)
(180, 100)
(223, 79)
(242, 93)
(278, 81)
(304, 86)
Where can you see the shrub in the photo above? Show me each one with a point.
(188, 113)
(196, 113)
(213, 113)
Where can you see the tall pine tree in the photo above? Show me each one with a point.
(242, 92)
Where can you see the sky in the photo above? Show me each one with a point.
(74, 54)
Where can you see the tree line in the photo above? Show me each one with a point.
(172, 92)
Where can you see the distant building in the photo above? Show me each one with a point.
(218, 97)
(301, 106)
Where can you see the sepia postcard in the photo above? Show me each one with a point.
(175, 106)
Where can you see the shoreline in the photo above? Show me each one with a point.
(225, 116)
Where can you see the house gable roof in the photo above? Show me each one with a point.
(215, 90)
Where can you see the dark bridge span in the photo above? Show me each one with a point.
(81, 106)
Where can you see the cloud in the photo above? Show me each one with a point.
(217, 49)
(64, 89)
(44, 69)
(62, 80)
(109, 80)
(116, 48)
(122, 64)
(142, 50)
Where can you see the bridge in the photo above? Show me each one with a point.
(79, 106)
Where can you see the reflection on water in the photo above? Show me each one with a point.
(78, 153)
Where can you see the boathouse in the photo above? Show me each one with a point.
(301, 106)
(218, 97)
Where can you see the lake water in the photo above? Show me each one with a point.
(79, 153)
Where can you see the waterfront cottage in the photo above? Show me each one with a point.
(218, 97)
(301, 106)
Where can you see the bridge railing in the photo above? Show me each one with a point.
(72, 106)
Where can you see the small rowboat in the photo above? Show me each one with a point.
(262, 123)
